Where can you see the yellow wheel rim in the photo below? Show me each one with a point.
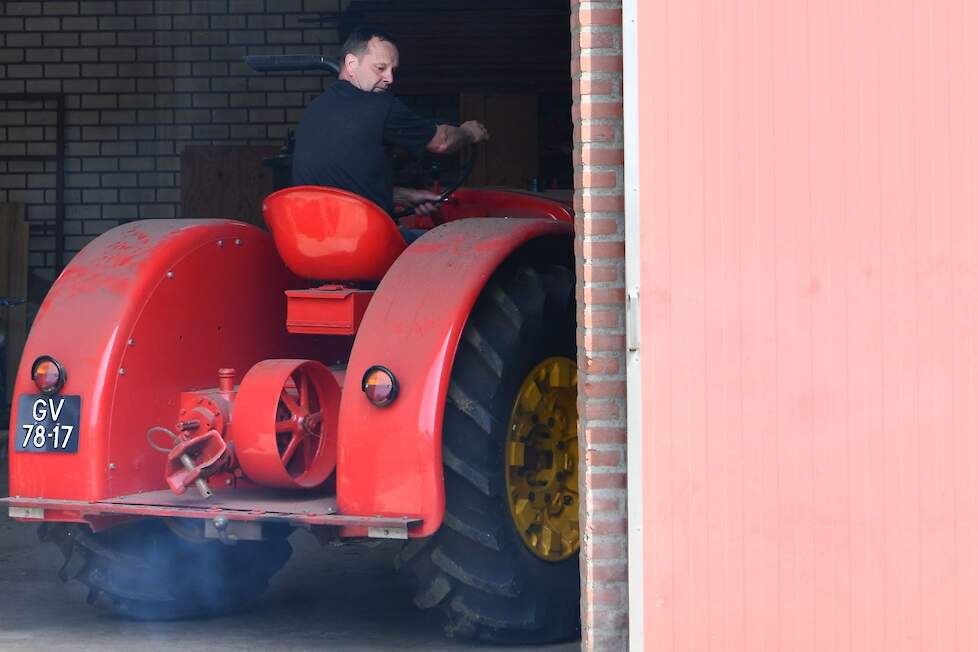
(541, 461)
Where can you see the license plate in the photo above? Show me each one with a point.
(47, 424)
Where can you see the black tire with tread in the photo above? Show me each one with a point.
(476, 568)
(149, 572)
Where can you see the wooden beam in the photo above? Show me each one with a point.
(13, 285)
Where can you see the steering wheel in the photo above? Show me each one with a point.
(462, 178)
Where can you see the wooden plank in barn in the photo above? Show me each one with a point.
(225, 181)
(511, 157)
(13, 284)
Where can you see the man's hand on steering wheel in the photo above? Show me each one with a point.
(476, 130)
(424, 202)
(421, 202)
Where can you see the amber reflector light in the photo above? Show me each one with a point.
(380, 386)
(48, 374)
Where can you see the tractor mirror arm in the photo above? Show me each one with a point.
(291, 63)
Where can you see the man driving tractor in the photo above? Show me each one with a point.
(342, 137)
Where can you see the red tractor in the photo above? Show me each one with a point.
(194, 390)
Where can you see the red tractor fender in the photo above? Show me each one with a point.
(390, 459)
(145, 311)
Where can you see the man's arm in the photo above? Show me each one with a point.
(449, 139)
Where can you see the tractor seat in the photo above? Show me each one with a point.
(330, 234)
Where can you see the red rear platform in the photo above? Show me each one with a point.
(233, 505)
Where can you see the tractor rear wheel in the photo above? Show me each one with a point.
(165, 570)
(504, 565)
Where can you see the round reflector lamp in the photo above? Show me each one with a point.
(48, 374)
(380, 386)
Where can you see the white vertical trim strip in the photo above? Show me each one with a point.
(633, 415)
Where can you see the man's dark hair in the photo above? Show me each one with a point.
(356, 42)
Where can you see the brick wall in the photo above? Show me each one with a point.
(141, 80)
(600, 244)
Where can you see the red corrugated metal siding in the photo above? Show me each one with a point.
(809, 252)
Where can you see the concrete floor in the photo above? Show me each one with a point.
(336, 599)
